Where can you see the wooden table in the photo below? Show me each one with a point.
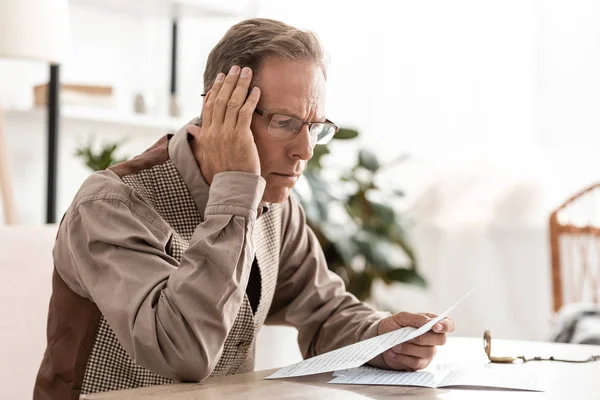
(566, 381)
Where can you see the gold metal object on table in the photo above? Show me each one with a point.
(487, 346)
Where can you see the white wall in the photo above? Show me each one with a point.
(449, 73)
(568, 80)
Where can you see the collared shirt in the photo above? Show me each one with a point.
(151, 272)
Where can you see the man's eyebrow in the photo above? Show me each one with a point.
(290, 113)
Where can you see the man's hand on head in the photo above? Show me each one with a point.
(417, 353)
(225, 141)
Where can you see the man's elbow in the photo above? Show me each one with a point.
(179, 363)
(191, 373)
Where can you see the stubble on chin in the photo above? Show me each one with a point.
(276, 195)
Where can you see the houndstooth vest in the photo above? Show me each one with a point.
(109, 366)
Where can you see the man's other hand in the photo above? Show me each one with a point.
(417, 353)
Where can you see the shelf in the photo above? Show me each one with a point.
(177, 8)
(143, 123)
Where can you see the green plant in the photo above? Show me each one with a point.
(362, 235)
(98, 160)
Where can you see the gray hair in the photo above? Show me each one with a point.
(249, 42)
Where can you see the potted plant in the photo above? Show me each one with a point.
(102, 158)
(362, 235)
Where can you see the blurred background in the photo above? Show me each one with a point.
(485, 114)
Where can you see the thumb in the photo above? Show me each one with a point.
(400, 320)
(410, 319)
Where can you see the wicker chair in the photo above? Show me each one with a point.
(575, 248)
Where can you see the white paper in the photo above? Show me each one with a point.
(461, 365)
(441, 379)
(357, 354)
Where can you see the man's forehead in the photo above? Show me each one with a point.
(293, 104)
(296, 107)
(291, 87)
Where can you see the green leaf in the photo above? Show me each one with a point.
(385, 212)
(361, 283)
(318, 153)
(312, 211)
(398, 236)
(354, 210)
(346, 133)
(406, 276)
(398, 192)
(332, 256)
(102, 159)
(320, 195)
(378, 236)
(368, 160)
(347, 248)
(376, 249)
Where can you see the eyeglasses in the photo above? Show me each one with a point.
(287, 127)
(487, 346)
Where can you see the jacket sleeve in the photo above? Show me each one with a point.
(171, 317)
(312, 298)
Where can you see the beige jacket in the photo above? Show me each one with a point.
(151, 268)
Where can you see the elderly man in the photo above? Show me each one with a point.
(167, 265)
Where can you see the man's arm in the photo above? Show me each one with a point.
(172, 318)
(312, 298)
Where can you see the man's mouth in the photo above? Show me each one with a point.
(291, 176)
(287, 174)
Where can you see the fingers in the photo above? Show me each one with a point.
(227, 98)
(245, 113)
(430, 339)
(413, 356)
(444, 326)
(224, 95)
(238, 98)
(448, 325)
(207, 108)
(417, 353)
(409, 319)
(410, 349)
(409, 356)
(402, 362)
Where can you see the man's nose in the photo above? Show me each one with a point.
(303, 145)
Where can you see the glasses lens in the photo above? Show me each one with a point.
(284, 126)
(323, 132)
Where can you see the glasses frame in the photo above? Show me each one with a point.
(269, 117)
